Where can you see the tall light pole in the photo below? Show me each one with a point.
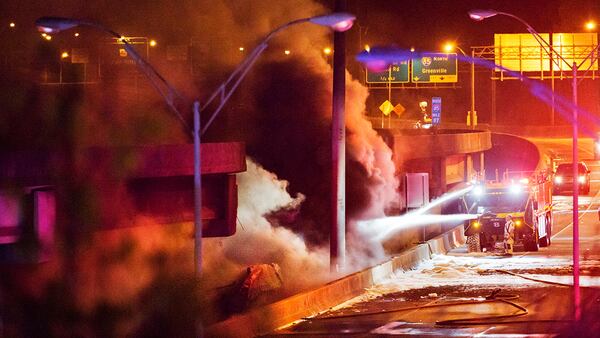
(169, 94)
(479, 15)
(337, 242)
(336, 21)
(448, 47)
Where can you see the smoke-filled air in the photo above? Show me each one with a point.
(282, 112)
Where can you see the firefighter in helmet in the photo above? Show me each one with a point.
(509, 235)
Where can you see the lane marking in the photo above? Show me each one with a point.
(579, 218)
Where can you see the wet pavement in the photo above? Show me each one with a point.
(484, 294)
(460, 311)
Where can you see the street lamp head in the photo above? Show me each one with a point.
(448, 47)
(481, 14)
(590, 25)
(339, 22)
(49, 24)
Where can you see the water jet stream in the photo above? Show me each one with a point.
(383, 228)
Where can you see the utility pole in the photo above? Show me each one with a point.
(337, 237)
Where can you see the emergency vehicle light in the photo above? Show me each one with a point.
(515, 188)
(478, 190)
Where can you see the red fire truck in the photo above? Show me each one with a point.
(526, 196)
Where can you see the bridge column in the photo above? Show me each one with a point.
(468, 168)
(438, 176)
(478, 162)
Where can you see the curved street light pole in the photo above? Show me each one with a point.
(337, 21)
(168, 92)
(472, 114)
(461, 50)
(479, 15)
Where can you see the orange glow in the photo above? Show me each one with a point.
(241, 49)
(11, 25)
(412, 49)
(287, 52)
(448, 47)
(152, 43)
(76, 35)
(47, 37)
(367, 48)
(590, 25)
(64, 55)
(327, 50)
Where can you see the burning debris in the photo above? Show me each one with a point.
(261, 285)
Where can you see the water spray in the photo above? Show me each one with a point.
(440, 200)
(382, 228)
(386, 227)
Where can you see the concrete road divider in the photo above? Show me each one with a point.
(262, 320)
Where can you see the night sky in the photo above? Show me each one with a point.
(423, 24)
(282, 111)
(426, 24)
(417, 23)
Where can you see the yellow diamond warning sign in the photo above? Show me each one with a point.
(386, 108)
(399, 109)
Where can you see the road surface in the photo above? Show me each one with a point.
(483, 295)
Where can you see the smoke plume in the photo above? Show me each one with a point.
(285, 120)
(259, 241)
(282, 111)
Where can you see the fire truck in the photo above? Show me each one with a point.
(526, 196)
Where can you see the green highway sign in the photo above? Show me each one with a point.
(397, 73)
(434, 67)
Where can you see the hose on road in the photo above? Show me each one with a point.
(533, 279)
(485, 319)
(494, 297)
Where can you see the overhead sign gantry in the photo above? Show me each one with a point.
(434, 68)
(427, 68)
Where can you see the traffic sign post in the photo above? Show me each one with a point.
(386, 107)
(399, 109)
(436, 110)
(434, 68)
(396, 73)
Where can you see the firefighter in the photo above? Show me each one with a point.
(509, 235)
(426, 116)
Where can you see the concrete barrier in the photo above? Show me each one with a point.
(260, 321)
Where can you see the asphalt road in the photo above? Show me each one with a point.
(484, 295)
